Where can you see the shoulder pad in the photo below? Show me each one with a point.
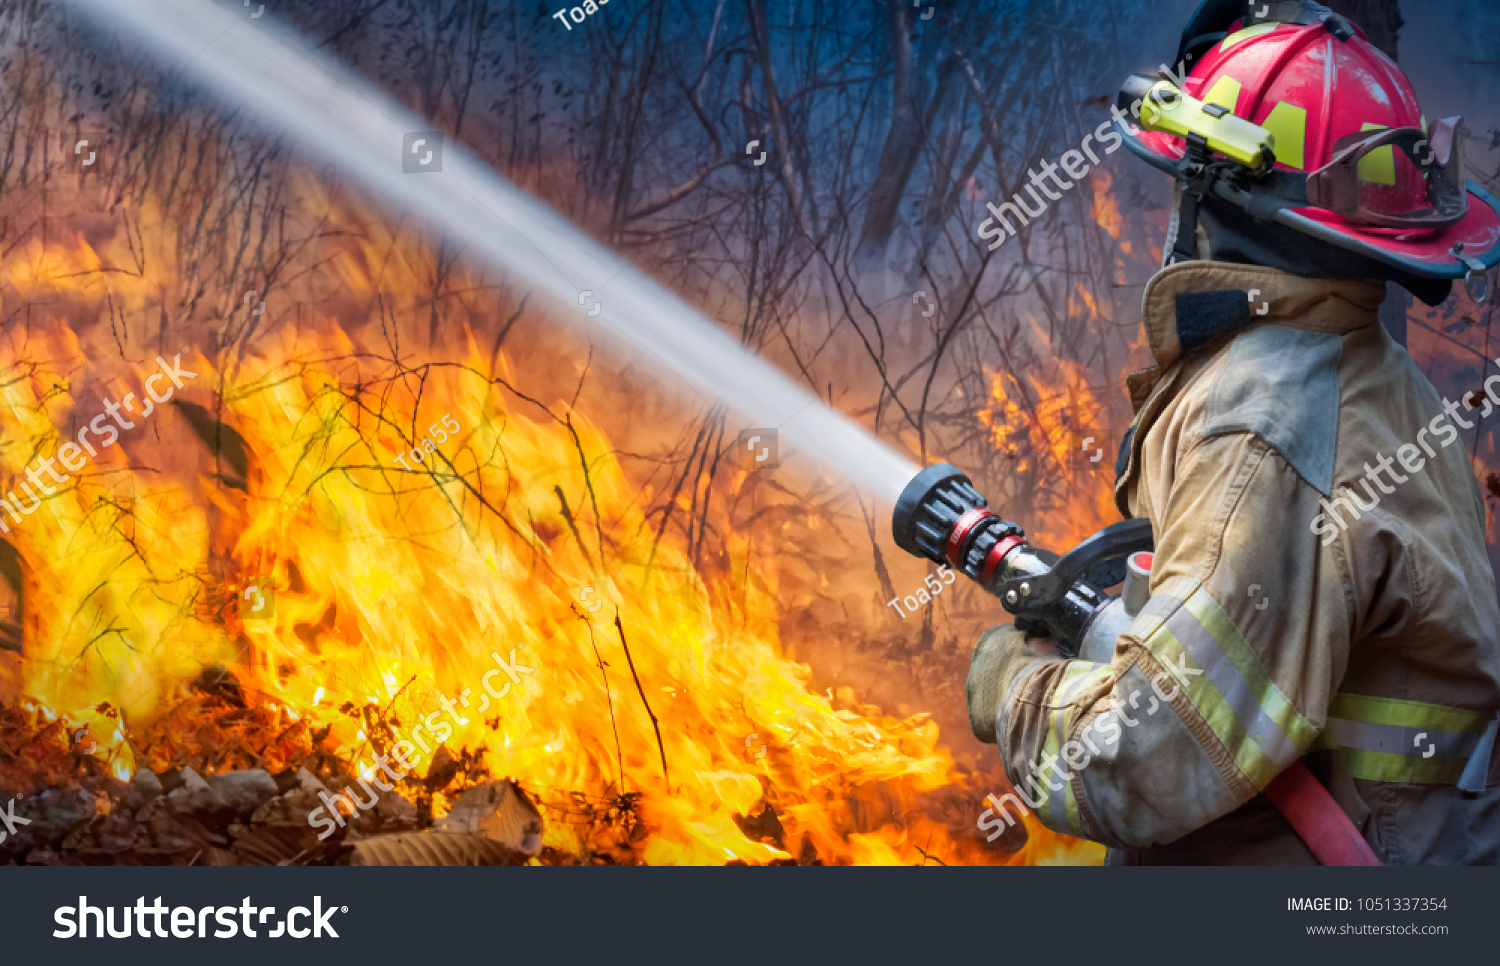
(1282, 384)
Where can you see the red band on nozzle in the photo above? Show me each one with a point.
(997, 553)
(960, 531)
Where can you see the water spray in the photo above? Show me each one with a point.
(941, 517)
(261, 65)
(258, 64)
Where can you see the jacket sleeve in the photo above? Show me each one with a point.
(1221, 681)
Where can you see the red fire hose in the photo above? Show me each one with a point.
(1317, 818)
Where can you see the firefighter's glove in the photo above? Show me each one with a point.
(1001, 654)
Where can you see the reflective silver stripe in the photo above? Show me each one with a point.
(1058, 801)
(1476, 772)
(1400, 740)
(1159, 605)
(1259, 727)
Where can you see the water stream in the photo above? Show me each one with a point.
(259, 64)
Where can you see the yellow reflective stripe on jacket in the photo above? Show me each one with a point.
(1189, 633)
(1061, 807)
(1393, 740)
(1408, 714)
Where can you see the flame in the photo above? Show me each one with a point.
(1105, 209)
(1085, 302)
(398, 592)
(396, 589)
(1055, 426)
(40, 270)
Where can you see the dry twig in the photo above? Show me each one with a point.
(655, 726)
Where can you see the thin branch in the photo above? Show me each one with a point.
(568, 516)
(642, 691)
(619, 758)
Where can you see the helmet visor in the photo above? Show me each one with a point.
(1396, 177)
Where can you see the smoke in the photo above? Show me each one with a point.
(253, 62)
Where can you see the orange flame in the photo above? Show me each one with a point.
(1055, 431)
(396, 584)
(399, 588)
(1105, 209)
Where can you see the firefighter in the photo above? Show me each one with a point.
(1321, 597)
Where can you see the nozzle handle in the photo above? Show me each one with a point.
(1116, 540)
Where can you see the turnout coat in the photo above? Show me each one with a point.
(1320, 590)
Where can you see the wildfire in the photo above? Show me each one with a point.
(406, 524)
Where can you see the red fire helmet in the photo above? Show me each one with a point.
(1381, 179)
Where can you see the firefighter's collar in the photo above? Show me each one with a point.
(1192, 304)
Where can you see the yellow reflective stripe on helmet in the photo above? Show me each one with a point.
(1225, 93)
(1062, 807)
(1224, 680)
(1246, 34)
(1379, 166)
(1394, 740)
(1288, 125)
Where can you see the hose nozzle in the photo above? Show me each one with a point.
(941, 517)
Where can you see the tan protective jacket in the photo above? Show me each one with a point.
(1320, 587)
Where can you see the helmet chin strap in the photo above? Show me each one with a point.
(1167, 248)
(1234, 235)
(1182, 232)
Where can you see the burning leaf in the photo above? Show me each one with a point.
(499, 811)
(432, 848)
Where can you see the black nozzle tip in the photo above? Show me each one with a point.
(918, 492)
